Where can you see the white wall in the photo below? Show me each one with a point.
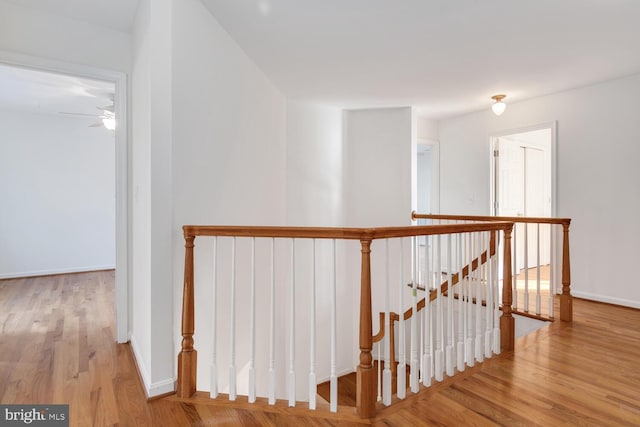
(153, 232)
(314, 165)
(598, 134)
(229, 163)
(141, 194)
(37, 33)
(57, 186)
(380, 149)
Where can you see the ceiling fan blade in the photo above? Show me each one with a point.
(78, 114)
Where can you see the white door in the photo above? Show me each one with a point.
(522, 185)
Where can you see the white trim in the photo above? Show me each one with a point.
(122, 287)
(554, 160)
(321, 380)
(609, 300)
(56, 271)
(157, 388)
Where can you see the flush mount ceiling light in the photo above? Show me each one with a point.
(499, 106)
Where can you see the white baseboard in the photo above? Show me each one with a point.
(607, 299)
(157, 388)
(55, 271)
(142, 368)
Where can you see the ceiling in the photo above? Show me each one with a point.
(445, 57)
(23, 89)
(114, 14)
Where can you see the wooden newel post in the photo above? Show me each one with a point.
(566, 303)
(507, 322)
(365, 375)
(188, 355)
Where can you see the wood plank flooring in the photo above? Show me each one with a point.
(57, 346)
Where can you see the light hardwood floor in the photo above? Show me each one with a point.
(57, 346)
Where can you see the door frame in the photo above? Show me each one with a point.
(119, 79)
(493, 136)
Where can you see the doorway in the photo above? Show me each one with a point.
(523, 185)
(118, 81)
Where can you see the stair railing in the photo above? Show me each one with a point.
(365, 374)
(536, 260)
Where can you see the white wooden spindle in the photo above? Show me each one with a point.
(552, 285)
(478, 306)
(313, 388)
(214, 309)
(272, 328)
(526, 267)
(413, 372)
(252, 357)
(379, 397)
(333, 381)
(469, 330)
(386, 379)
(232, 324)
(292, 328)
(538, 297)
(439, 350)
(427, 337)
(460, 326)
(402, 369)
(514, 269)
(449, 349)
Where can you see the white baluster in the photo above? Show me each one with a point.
(439, 353)
(386, 379)
(379, 397)
(214, 368)
(460, 349)
(402, 369)
(514, 268)
(538, 297)
(427, 320)
(292, 329)
(313, 388)
(333, 401)
(478, 285)
(450, 295)
(232, 347)
(272, 328)
(526, 267)
(469, 311)
(413, 373)
(552, 282)
(252, 357)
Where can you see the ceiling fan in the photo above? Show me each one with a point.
(107, 117)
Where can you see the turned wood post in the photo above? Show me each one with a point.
(566, 303)
(507, 322)
(188, 355)
(365, 375)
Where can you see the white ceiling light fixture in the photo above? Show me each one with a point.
(498, 107)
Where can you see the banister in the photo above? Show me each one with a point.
(365, 399)
(522, 219)
(341, 232)
(566, 299)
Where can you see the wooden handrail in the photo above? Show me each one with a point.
(341, 232)
(519, 219)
